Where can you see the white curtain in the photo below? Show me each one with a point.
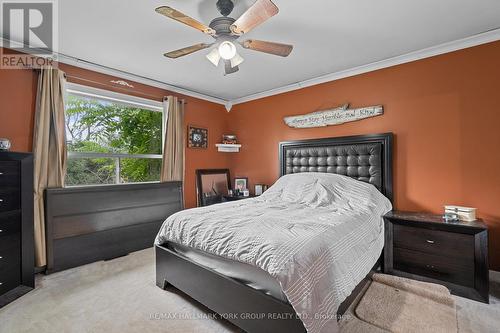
(173, 145)
(49, 148)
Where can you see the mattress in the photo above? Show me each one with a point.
(251, 276)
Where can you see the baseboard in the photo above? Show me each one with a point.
(495, 276)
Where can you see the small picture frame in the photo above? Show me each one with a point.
(240, 184)
(197, 137)
(259, 189)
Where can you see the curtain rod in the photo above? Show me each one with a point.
(114, 87)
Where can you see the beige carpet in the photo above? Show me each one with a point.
(401, 305)
(121, 296)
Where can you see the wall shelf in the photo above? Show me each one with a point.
(228, 148)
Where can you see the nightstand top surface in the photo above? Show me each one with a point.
(433, 218)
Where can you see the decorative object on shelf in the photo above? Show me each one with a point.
(246, 193)
(240, 183)
(464, 213)
(229, 139)
(122, 83)
(260, 188)
(197, 137)
(4, 144)
(335, 116)
(228, 148)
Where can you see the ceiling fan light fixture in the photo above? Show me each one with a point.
(236, 60)
(214, 57)
(227, 50)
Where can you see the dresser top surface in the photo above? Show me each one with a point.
(435, 219)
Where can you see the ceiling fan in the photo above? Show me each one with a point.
(226, 31)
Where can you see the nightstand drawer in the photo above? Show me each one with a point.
(454, 270)
(443, 243)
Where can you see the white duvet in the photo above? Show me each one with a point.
(318, 234)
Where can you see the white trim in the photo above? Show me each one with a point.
(76, 154)
(86, 91)
(482, 38)
(69, 60)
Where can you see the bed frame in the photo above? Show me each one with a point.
(366, 158)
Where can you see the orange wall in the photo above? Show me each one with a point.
(444, 112)
(17, 107)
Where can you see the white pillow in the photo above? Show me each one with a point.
(326, 190)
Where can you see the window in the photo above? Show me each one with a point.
(112, 138)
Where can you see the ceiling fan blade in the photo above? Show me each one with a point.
(228, 69)
(258, 13)
(187, 50)
(278, 49)
(183, 18)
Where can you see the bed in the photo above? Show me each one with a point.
(217, 256)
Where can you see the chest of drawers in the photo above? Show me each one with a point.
(16, 226)
(424, 247)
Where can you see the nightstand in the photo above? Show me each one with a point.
(423, 247)
(235, 197)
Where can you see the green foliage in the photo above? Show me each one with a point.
(103, 127)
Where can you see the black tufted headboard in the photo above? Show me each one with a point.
(364, 157)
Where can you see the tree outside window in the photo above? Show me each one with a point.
(111, 143)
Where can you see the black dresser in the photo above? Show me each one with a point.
(424, 247)
(16, 226)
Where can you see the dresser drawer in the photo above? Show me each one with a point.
(9, 174)
(9, 280)
(10, 261)
(10, 253)
(455, 270)
(430, 241)
(10, 222)
(10, 199)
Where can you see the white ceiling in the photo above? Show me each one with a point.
(328, 36)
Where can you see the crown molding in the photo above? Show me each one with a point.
(482, 38)
(69, 60)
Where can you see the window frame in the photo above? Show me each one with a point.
(126, 100)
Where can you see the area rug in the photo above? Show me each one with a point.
(397, 304)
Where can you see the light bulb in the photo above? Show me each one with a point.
(227, 50)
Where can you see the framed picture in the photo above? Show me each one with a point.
(197, 137)
(240, 183)
(259, 188)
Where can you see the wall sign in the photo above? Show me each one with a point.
(334, 116)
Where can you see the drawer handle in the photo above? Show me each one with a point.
(430, 241)
(429, 266)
